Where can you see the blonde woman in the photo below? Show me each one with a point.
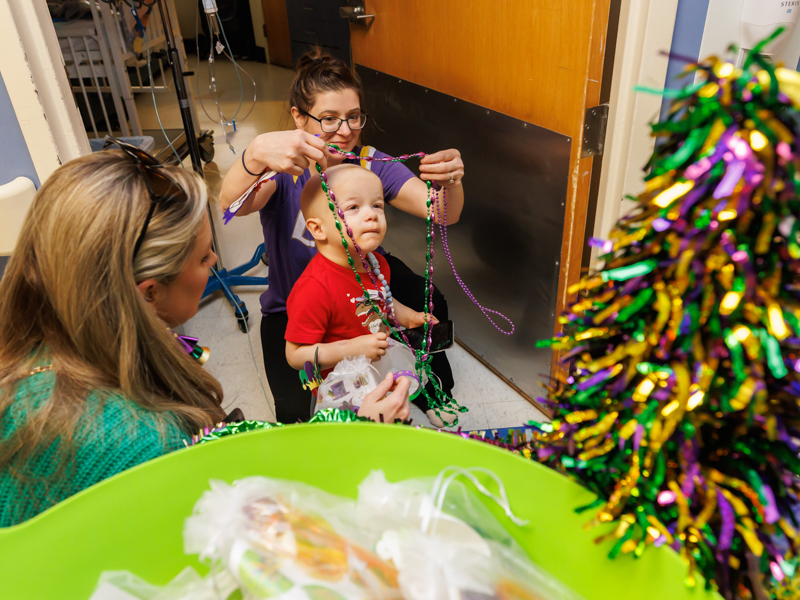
(115, 250)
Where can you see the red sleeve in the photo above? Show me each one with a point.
(309, 312)
(385, 270)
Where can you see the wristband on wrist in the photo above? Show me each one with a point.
(248, 170)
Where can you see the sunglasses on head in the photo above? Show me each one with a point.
(161, 188)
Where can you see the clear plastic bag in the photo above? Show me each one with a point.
(348, 384)
(287, 541)
(188, 585)
(356, 376)
(400, 359)
(446, 544)
(419, 539)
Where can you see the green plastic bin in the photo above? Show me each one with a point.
(134, 521)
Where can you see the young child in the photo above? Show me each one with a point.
(328, 313)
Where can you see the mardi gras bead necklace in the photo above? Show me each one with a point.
(442, 402)
(376, 270)
(423, 357)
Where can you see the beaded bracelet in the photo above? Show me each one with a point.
(410, 374)
(248, 170)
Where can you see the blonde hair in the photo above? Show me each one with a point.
(69, 298)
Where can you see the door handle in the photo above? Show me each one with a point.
(355, 11)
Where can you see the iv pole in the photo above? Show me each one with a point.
(221, 278)
(180, 90)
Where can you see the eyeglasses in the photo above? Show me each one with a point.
(161, 188)
(332, 124)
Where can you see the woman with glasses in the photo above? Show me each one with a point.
(327, 107)
(115, 250)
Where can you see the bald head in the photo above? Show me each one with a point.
(344, 180)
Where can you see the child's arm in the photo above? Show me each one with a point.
(372, 345)
(409, 318)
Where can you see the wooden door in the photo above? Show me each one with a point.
(276, 29)
(536, 60)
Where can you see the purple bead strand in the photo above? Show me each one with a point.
(446, 247)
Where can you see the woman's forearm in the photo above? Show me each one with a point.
(236, 182)
(282, 151)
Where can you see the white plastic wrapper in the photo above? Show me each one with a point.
(356, 376)
(445, 542)
(287, 541)
(348, 384)
(188, 585)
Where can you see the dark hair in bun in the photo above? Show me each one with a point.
(318, 72)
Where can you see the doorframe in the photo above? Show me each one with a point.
(645, 30)
(34, 74)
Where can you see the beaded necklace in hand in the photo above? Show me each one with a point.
(423, 357)
(443, 402)
(434, 198)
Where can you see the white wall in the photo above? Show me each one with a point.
(33, 71)
(722, 30)
(645, 28)
(689, 28)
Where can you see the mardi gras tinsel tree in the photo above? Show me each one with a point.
(680, 403)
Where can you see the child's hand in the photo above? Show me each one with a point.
(372, 345)
(409, 318)
(417, 319)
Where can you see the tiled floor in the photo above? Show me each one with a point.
(491, 402)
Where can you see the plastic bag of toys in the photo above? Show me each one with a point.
(348, 384)
(356, 376)
(445, 543)
(287, 541)
(420, 539)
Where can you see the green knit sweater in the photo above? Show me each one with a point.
(112, 435)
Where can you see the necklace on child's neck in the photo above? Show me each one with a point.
(376, 270)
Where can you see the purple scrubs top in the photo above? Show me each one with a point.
(289, 245)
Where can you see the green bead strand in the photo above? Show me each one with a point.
(442, 402)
